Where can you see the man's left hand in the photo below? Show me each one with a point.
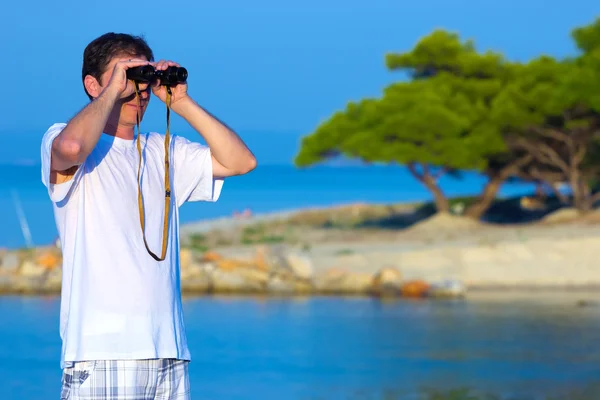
(178, 91)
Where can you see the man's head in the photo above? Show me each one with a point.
(99, 58)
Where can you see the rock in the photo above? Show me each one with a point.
(387, 281)
(261, 258)
(230, 281)
(329, 281)
(186, 258)
(230, 265)
(211, 256)
(7, 283)
(338, 281)
(30, 285)
(53, 281)
(49, 260)
(193, 270)
(281, 261)
(256, 276)
(198, 283)
(355, 282)
(31, 269)
(448, 288)
(301, 266)
(10, 263)
(278, 285)
(417, 288)
(276, 259)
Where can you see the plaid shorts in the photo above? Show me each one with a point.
(157, 379)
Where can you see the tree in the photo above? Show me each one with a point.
(422, 124)
(551, 110)
(465, 110)
(436, 123)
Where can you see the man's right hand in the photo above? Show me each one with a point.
(118, 83)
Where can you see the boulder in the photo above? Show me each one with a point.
(53, 281)
(336, 280)
(301, 266)
(211, 256)
(31, 269)
(447, 289)
(387, 282)
(49, 260)
(224, 281)
(186, 258)
(10, 263)
(417, 288)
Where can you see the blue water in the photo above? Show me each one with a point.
(268, 188)
(335, 348)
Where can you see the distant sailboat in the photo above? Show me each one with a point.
(22, 220)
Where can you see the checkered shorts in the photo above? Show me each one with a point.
(158, 379)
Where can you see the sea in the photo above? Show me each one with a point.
(26, 216)
(325, 348)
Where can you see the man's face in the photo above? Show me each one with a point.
(129, 105)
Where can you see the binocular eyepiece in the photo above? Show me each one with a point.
(147, 73)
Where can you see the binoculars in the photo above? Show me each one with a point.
(147, 73)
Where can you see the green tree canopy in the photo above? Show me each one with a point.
(550, 109)
(434, 123)
(466, 110)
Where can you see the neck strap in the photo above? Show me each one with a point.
(167, 180)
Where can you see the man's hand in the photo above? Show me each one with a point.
(118, 84)
(72, 146)
(178, 91)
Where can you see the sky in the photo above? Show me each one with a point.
(271, 69)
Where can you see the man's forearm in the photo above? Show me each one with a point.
(226, 146)
(77, 140)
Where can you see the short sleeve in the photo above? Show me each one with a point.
(57, 192)
(193, 172)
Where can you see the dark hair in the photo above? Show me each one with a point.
(98, 54)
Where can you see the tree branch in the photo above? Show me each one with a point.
(544, 154)
(579, 156)
(414, 172)
(556, 135)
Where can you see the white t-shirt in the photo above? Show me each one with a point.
(118, 302)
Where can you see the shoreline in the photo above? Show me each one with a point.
(328, 252)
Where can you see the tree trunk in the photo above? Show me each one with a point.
(487, 197)
(582, 196)
(441, 202)
(430, 182)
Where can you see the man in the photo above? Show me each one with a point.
(121, 318)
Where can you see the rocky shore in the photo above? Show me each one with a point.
(444, 256)
(272, 270)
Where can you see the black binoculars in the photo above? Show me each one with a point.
(147, 73)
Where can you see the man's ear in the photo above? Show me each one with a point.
(92, 86)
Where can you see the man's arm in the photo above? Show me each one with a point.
(230, 155)
(77, 140)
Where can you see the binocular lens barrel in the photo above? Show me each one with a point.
(147, 73)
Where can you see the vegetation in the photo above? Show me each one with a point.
(464, 110)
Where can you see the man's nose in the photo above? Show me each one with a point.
(144, 90)
(142, 86)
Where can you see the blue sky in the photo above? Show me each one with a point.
(271, 69)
